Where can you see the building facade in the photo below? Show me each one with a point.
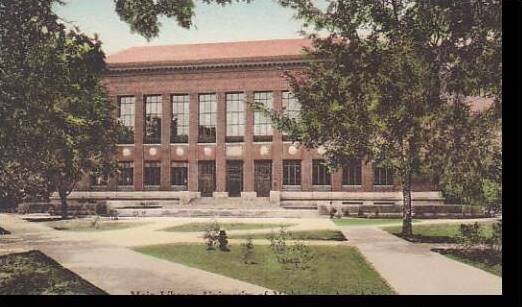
(189, 127)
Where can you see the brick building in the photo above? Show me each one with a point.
(191, 130)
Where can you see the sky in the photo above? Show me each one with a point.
(261, 19)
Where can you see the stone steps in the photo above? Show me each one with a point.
(217, 212)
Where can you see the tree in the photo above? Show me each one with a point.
(380, 77)
(57, 121)
(35, 52)
(143, 15)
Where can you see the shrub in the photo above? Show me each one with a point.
(211, 234)
(247, 249)
(223, 241)
(470, 235)
(95, 222)
(323, 209)
(332, 212)
(495, 242)
(295, 256)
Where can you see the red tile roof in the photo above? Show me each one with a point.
(211, 52)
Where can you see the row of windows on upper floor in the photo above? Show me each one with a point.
(235, 117)
(351, 174)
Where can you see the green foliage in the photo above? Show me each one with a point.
(211, 234)
(294, 256)
(495, 241)
(56, 122)
(247, 249)
(470, 235)
(143, 15)
(223, 241)
(378, 70)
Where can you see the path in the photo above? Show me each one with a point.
(414, 269)
(119, 270)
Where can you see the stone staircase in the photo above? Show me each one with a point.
(209, 207)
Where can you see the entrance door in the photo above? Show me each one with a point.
(234, 178)
(263, 178)
(207, 178)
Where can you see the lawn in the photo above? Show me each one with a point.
(198, 227)
(333, 270)
(85, 225)
(486, 259)
(366, 221)
(33, 273)
(321, 234)
(435, 233)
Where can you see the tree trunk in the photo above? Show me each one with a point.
(406, 208)
(63, 199)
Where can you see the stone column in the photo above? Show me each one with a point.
(138, 141)
(193, 143)
(165, 142)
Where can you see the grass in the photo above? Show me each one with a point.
(321, 235)
(198, 227)
(484, 259)
(84, 225)
(33, 273)
(435, 233)
(366, 221)
(333, 270)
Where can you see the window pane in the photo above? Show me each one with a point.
(153, 114)
(126, 117)
(263, 123)
(207, 118)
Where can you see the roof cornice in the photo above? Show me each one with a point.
(148, 68)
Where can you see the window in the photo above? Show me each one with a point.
(291, 172)
(291, 108)
(263, 123)
(235, 117)
(152, 173)
(178, 175)
(126, 176)
(352, 173)
(382, 176)
(207, 118)
(126, 116)
(97, 181)
(153, 113)
(179, 127)
(320, 173)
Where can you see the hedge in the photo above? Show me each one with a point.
(74, 208)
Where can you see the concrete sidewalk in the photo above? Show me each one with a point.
(119, 270)
(414, 269)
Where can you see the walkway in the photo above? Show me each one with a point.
(414, 269)
(118, 270)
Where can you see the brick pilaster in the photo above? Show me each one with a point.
(367, 176)
(337, 180)
(165, 142)
(248, 164)
(277, 148)
(193, 143)
(138, 141)
(221, 130)
(306, 171)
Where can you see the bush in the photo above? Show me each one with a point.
(332, 212)
(211, 235)
(247, 249)
(470, 235)
(495, 242)
(295, 256)
(223, 241)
